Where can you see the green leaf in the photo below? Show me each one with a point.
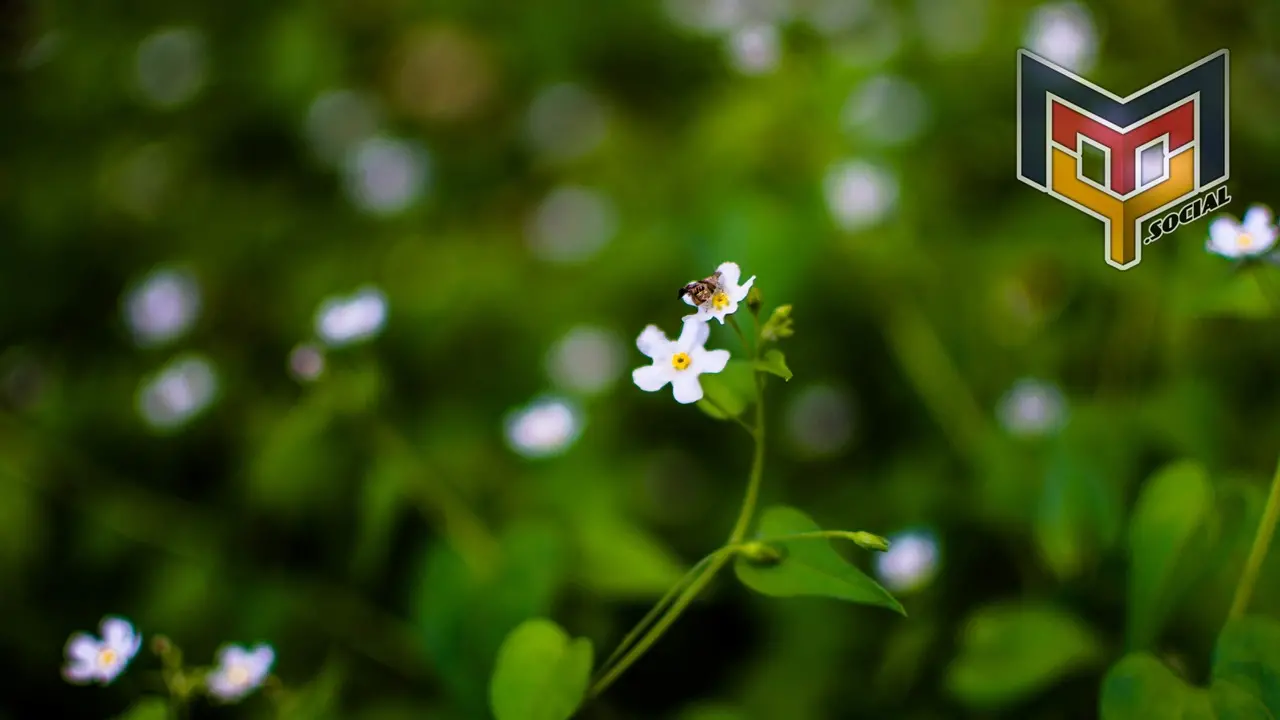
(541, 673)
(1168, 544)
(1247, 656)
(809, 567)
(732, 389)
(1244, 683)
(1079, 514)
(148, 708)
(776, 363)
(1242, 296)
(1009, 653)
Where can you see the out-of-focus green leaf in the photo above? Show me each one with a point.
(318, 699)
(1244, 295)
(1011, 652)
(1079, 513)
(540, 674)
(774, 362)
(711, 711)
(732, 389)
(1244, 684)
(378, 504)
(808, 567)
(148, 708)
(1168, 540)
(620, 560)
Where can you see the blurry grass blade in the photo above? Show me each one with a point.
(1168, 544)
(1010, 652)
(540, 674)
(775, 363)
(809, 567)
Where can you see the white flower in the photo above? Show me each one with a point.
(1255, 236)
(92, 660)
(240, 671)
(728, 295)
(678, 362)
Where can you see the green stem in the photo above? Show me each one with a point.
(737, 329)
(1258, 553)
(757, 472)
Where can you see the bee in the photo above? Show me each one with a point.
(701, 291)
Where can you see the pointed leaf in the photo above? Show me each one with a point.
(774, 362)
(541, 673)
(1167, 543)
(1009, 653)
(1140, 687)
(809, 567)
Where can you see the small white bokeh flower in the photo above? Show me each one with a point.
(344, 321)
(678, 362)
(910, 563)
(544, 428)
(90, 659)
(1255, 236)
(240, 671)
(725, 298)
(1032, 408)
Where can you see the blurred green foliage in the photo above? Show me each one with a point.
(378, 524)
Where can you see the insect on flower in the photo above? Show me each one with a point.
(240, 671)
(1255, 236)
(718, 295)
(678, 362)
(90, 659)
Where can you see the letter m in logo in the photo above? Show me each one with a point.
(1162, 145)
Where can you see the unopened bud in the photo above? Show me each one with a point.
(755, 299)
(761, 554)
(870, 542)
(779, 324)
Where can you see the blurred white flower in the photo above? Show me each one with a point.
(571, 224)
(177, 393)
(162, 306)
(90, 659)
(678, 362)
(385, 176)
(565, 122)
(170, 66)
(239, 671)
(859, 194)
(886, 110)
(306, 362)
(585, 360)
(755, 50)
(544, 428)
(910, 563)
(727, 296)
(1063, 33)
(1032, 408)
(338, 121)
(347, 320)
(1255, 236)
(819, 421)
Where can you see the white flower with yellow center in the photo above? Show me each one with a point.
(92, 660)
(678, 362)
(240, 671)
(726, 296)
(1254, 236)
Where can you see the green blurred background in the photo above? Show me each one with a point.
(319, 320)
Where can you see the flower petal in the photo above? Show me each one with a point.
(1223, 233)
(694, 334)
(740, 292)
(650, 378)
(686, 388)
(83, 647)
(688, 300)
(710, 361)
(652, 341)
(729, 274)
(80, 672)
(229, 655)
(118, 634)
(260, 661)
(1257, 220)
(722, 312)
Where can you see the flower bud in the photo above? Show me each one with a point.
(759, 553)
(755, 299)
(868, 541)
(779, 324)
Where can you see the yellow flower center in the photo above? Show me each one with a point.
(680, 361)
(106, 658)
(720, 301)
(237, 675)
(1244, 240)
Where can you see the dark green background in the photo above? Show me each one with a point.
(331, 518)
